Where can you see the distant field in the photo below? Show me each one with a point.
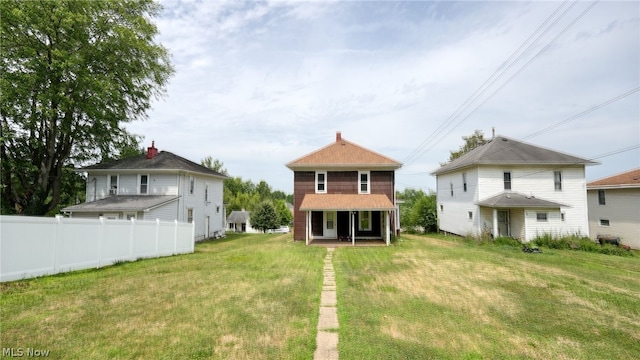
(257, 297)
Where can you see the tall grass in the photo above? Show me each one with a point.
(578, 242)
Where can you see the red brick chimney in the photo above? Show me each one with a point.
(338, 136)
(152, 151)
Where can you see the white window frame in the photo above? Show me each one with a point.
(604, 222)
(192, 184)
(361, 217)
(505, 182)
(368, 182)
(324, 183)
(189, 212)
(113, 190)
(130, 215)
(557, 180)
(206, 192)
(542, 216)
(140, 184)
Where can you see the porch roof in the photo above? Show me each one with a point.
(344, 202)
(122, 203)
(508, 199)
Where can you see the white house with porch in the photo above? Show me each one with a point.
(510, 188)
(156, 185)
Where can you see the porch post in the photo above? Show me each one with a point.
(495, 223)
(387, 215)
(306, 230)
(353, 228)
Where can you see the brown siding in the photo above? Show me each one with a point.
(303, 183)
(338, 182)
(342, 182)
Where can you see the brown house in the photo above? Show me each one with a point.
(344, 192)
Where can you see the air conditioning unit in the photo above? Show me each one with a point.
(113, 191)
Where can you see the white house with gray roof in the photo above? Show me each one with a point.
(510, 188)
(156, 185)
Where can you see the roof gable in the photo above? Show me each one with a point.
(505, 151)
(343, 153)
(629, 178)
(164, 160)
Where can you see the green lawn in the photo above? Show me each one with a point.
(257, 297)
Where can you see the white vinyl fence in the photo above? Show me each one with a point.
(35, 246)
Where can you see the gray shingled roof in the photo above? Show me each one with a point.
(237, 217)
(164, 160)
(122, 203)
(505, 151)
(509, 199)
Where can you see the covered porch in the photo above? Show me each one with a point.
(347, 219)
(520, 216)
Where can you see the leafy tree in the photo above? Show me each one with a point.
(424, 213)
(418, 209)
(284, 214)
(215, 165)
(264, 217)
(470, 142)
(71, 73)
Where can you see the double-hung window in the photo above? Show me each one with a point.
(144, 184)
(507, 180)
(363, 182)
(192, 184)
(113, 184)
(321, 182)
(557, 180)
(601, 198)
(464, 182)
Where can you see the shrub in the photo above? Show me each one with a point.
(577, 242)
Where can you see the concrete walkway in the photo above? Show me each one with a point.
(327, 340)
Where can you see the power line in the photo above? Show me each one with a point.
(588, 111)
(546, 47)
(507, 64)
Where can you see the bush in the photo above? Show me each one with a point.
(577, 242)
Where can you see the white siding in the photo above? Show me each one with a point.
(484, 182)
(163, 184)
(166, 212)
(202, 208)
(128, 184)
(622, 209)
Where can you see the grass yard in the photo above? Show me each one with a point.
(245, 297)
(257, 297)
(447, 299)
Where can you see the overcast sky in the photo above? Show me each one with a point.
(259, 84)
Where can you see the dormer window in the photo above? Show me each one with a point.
(321, 182)
(363, 182)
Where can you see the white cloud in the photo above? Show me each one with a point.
(259, 84)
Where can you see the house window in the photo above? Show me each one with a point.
(507, 180)
(541, 216)
(365, 220)
(217, 209)
(113, 185)
(562, 216)
(363, 177)
(557, 180)
(192, 184)
(144, 184)
(206, 192)
(601, 198)
(190, 215)
(470, 215)
(321, 182)
(464, 182)
(130, 216)
(605, 222)
(441, 207)
(451, 189)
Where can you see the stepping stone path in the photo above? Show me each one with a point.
(327, 340)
